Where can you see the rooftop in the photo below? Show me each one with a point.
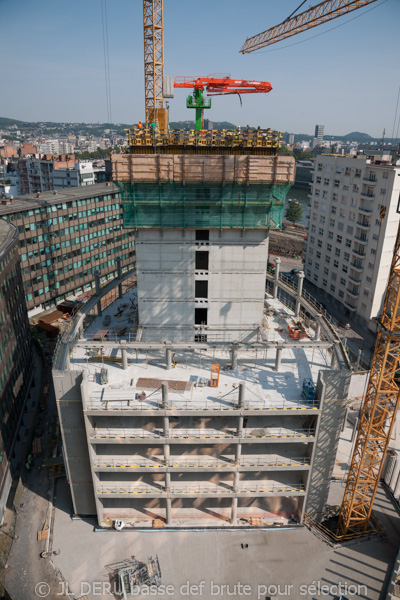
(139, 386)
(32, 201)
(8, 233)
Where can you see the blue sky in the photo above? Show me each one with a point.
(52, 63)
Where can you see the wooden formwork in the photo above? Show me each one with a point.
(183, 168)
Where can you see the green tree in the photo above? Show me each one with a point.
(294, 212)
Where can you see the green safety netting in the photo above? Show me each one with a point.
(203, 206)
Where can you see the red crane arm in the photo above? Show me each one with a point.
(223, 84)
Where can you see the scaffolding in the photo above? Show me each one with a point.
(203, 206)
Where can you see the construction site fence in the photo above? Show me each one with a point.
(203, 205)
(201, 489)
(182, 463)
(201, 433)
(191, 405)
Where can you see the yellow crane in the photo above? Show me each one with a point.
(321, 13)
(153, 31)
(383, 392)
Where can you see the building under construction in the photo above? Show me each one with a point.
(211, 394)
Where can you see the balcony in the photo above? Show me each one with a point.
(357, 265)
(359, 252)
(354, 279)
(368, 194)
(365, 209)
(371, 178)
(350, 304)
(361, 239)
(353, 292)
(364, 223)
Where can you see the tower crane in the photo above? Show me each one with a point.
(153, 29)
(383, 392)
(215, 85)
(316, 15)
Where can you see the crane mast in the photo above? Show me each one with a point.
(153, 28)
(321, 13)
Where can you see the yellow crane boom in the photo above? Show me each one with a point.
(321, 13)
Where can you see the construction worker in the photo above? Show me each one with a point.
(174, 361)
(140, 127)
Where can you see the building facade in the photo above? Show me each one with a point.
(350, 244)
(304, 174)
(319, 134)
(64, 236)
(16, 354)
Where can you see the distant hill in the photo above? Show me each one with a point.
(357, 135)
(4, 122)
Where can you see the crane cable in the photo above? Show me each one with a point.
(295, 11)
(104, 20)
(323, 32)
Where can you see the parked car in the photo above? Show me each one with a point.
(344, 325)
(295, 271)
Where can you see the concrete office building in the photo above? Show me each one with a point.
(224, 417)
(319, 134)
(16, 355)
(304, 174)
(350, 246)
(64, 236)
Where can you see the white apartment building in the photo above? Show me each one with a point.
(349, 246)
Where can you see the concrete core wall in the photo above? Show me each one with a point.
(231, 264)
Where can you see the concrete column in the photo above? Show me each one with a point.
(81, 330)
(236, 481)
(333, 360)
(318, 330)
(119, 275)
(166, 452)
(168, 358)
(124, 355)
(67, 362)
(242, 394)
(164, 394)
(169, 511)
(166, 426)
(278, 359)
(234, 511)
(299, 292)
(238, 453)
(234, 355)
(240, 426)
(277, 268)
(167, 481)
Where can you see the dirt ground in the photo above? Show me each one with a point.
(287, 243)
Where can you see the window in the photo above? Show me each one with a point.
(330, 235)
(318, 180)
(326, 271)
(322, 220)
(327, 259)
(332, 222)
(352, 216)
(344, 199)
(325, 282)
(337, 251)
(326, 181)
(319, 243)
(333, 210)
(333, 276)
(332, 288)
(313, 228)
(342, 213)
(316, 203)
(201, 261)
(383, 191)
(373, 251)
(342, 281)
(355, 188)
(370, 265)
(348, 243)
(202, 235)
(345, 268)
(312, 239)
(315, 277)
(320, 231)
(200, 316)
(335, 196)
(329, 247)
(317, 266)
(377, 222)
(318, 254)
(336, 264)
(340, 226)
(336, 183)
(346, 256)
(385, 175)
(339, 239)
(358, 173)
(201, 289)
(366, 293)
(369, 279)
(341, 293)
(324, 195)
